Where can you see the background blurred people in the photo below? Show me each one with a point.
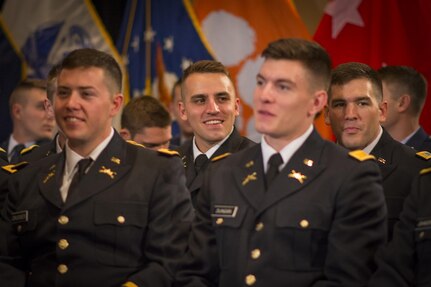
(32, 124)
(405, 91)
(146, 121)
(355, 110)
(185, 131)
(210, 105)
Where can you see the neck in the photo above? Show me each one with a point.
(403, 128)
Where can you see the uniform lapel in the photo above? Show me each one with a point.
(304, 166)
(110, 166)
(249, 176)
(383, 153)
(50, 179)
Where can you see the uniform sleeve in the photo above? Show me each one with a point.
(358, 228)
(170, 216)
(396, 260)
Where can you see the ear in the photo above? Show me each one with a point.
(237, 101)
(125, 134)
(383, 108)
(182, 109)
(16, 111)
(404, 103)
(319, 101)
(117, 103)
(326, 115)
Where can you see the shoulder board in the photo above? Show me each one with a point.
(12, 168)
(424, 154)
(219, 157)
(425, 170)
(134, 143)
(28, 149)
(2, 150)
(168, 152)
(361, 155)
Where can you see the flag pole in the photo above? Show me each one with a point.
(148, 39)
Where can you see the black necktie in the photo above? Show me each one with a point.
(83, 164)
(16, 153)
(274, 163)
(200, 162)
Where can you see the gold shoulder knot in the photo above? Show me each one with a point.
(28, 149)
(222, 156)
(426, 155)
(425, 170)
(170, 152)
(134, 143)
(12, 168)
(361, 155)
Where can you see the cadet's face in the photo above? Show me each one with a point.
(210, 106)
(184, 125)
(284, 103)
(354, 113)
(36, 120)
(84, 107)
(154, 138)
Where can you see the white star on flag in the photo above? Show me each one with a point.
(168, 44)
(135, 44)
(343, 12)
(185, 63)
(149, 35)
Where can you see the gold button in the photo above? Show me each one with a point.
(63, 244)
(19, 228)
(219, 221)
(250, 279)
(63, 220)
(121, 219)
(421, 234)
(259, 226)
(255, 253)
(304, 223)
(62, 268)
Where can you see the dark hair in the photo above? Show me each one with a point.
(144, 112)
(19, 96)
(406, 80)
(347, 72)
(51, 81)
(314, 58)
(86, 58)
(176, 84)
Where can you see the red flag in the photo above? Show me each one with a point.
(378, 33)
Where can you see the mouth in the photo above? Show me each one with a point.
(351, 130)
(213, 122)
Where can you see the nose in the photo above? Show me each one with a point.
(212, 106)
(351, 111)
(263, 93)
(72, 101)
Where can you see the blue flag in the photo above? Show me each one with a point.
(157, 44)
(12, 68)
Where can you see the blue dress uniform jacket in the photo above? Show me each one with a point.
(127, 220)
(420, 141)
(406, 260)
(399, 165)
(235, 142)
(319, 223)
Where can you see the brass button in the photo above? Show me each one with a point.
(259, 226)
(62, 268)
(63, 244)
(219, 221)
(63, 219)
(121, 219)
(304, 223)
(255, 253)
(421, 234)
(250, 279)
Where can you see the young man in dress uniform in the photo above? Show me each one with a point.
(103, 212)
(295, 210)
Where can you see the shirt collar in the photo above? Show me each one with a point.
(406, 139)
(371, 146)
(13, 142)
(212, 150)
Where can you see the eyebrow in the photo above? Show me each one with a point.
(277, 81)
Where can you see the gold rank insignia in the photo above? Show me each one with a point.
(308, 162)
(297, 175)
(361, 155)
(424, 154)
(249, 164)
(221, 156)
(134, 143)
(49, 176)
(28, 149)
(425, 171)
(115, 160)
(12, 168)
(249, 178)
(166, 151)
(2, 150)
(108, 172)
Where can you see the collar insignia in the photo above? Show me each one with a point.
(49, 176)
(308, 162)
(298, 176)
(115, 160)
(381, 160)
(108, 172)
(249, 164)
(249, 178)
(184, 161)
